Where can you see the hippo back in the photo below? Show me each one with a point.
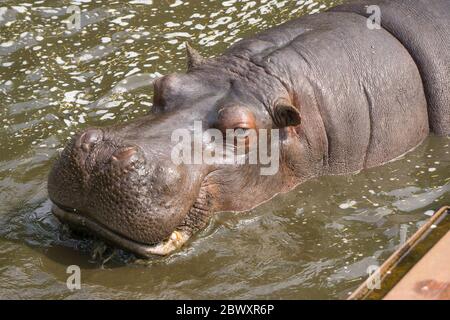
(423, 27)
(359, 91)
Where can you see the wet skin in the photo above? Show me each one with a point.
(343, 97)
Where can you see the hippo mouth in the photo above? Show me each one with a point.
(80, 221)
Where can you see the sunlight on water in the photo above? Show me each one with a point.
(314, 242)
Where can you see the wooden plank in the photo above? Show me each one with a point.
(429, 279)
(365, 289)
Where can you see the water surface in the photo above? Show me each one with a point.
(314, 242)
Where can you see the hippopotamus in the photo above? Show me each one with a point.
(344, 92)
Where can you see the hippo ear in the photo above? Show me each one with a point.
(286, 115)
(194, 58)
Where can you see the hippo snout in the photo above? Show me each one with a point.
(121, 187)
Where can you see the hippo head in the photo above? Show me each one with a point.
(124, 184)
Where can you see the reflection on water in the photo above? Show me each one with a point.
(314, 242)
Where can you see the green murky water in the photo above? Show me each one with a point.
(314, 242)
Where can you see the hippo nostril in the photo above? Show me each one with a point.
(88, 138)
(125, 156)
(124, 153)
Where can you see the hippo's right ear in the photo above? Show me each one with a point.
(286, 115)
(194, 58)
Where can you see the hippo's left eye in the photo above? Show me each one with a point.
(241, 132)
(236, 120)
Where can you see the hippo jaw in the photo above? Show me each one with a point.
(83, 222)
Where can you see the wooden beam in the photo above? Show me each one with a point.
(429, 279)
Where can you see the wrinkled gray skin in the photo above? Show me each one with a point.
(344, 97)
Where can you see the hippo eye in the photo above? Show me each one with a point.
(241, 132)
(236, 120)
